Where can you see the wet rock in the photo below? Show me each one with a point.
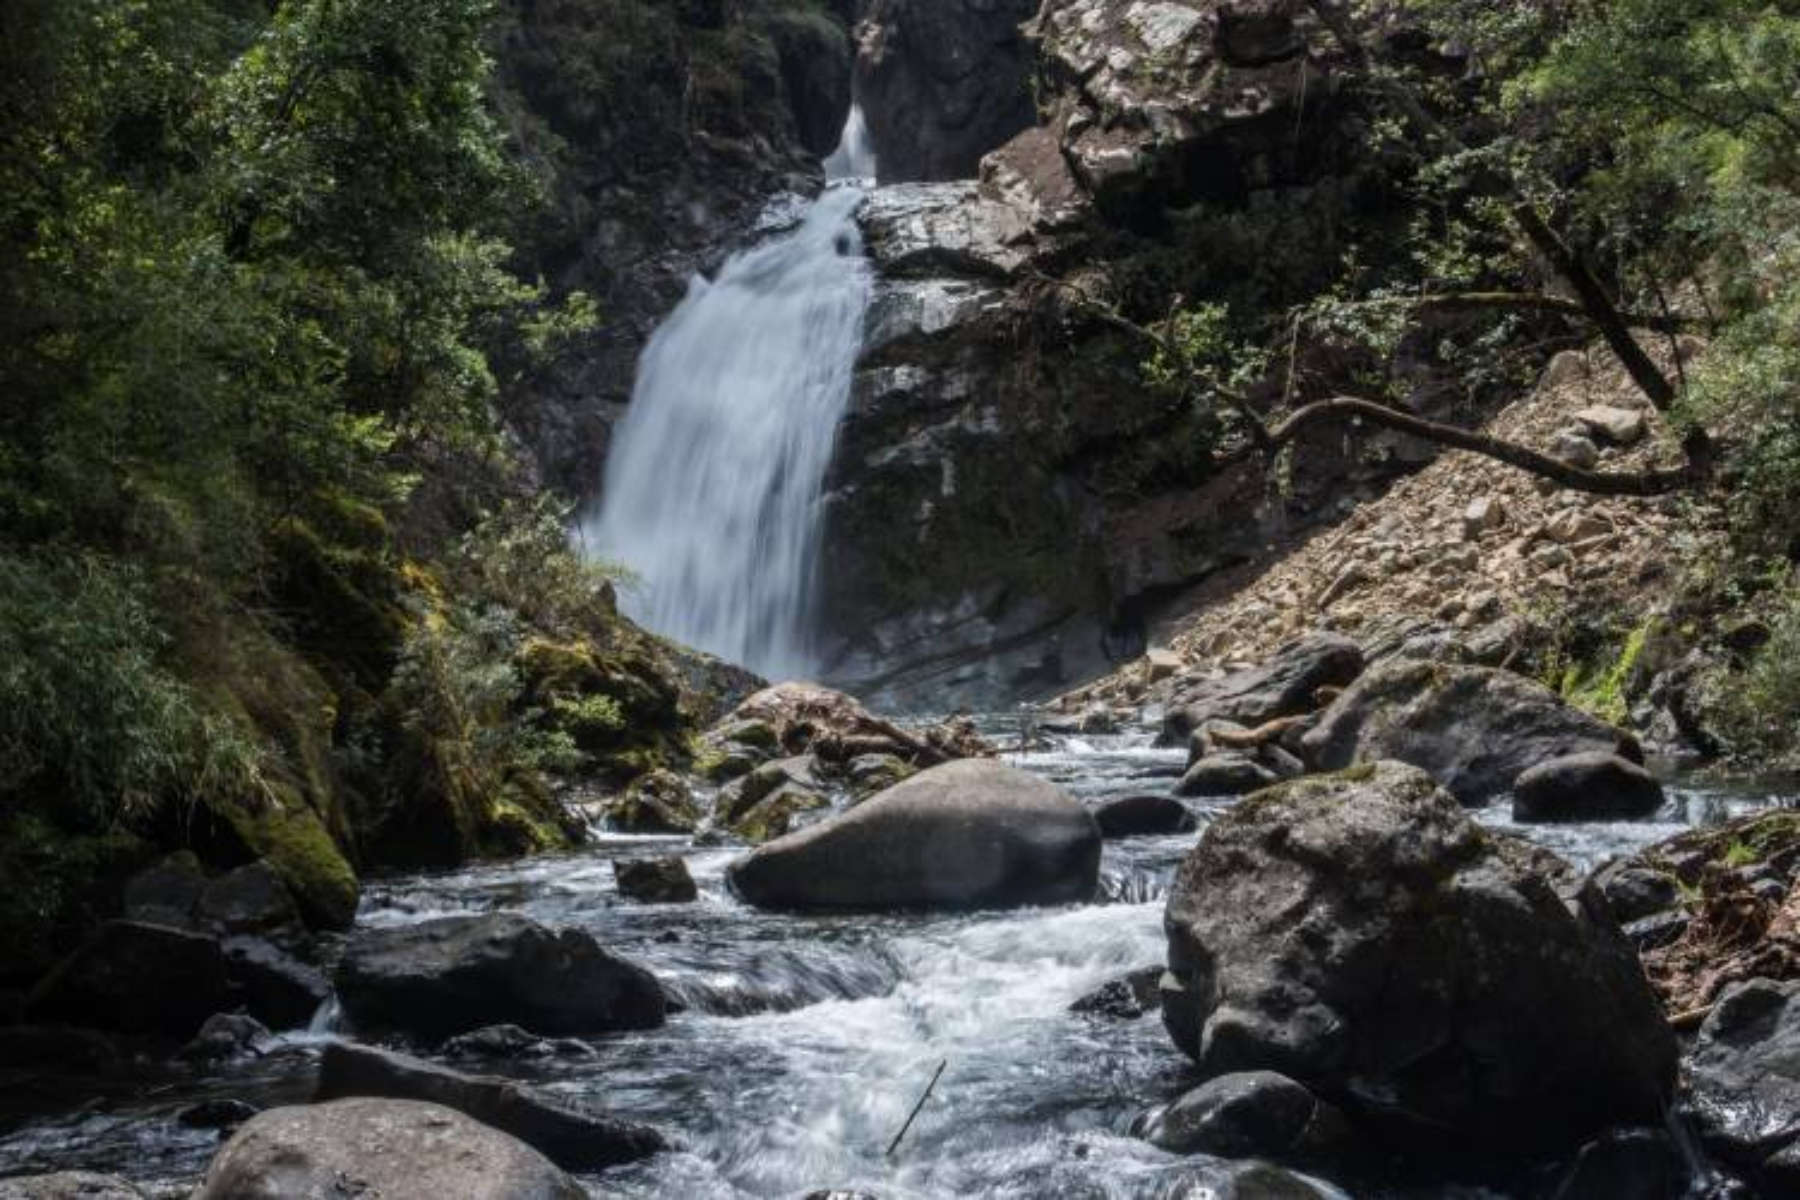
(1592, 786)
(1122, 999)
(1623, 1164)
(970, 834)
(389, 1148)
(1520, 1023)
(1145, 815)
(1286, 685)
(249, 899)
(1229, 773)
(872, 773)
(1656, 931)
(69, 1185)
(1744, 1081)
(226, 1036)
(1474, 729)
(223, 1115)
(573, 1137)
(1252, 1114)
(659, 802)
(166, 894)
(512, 1042)
(655, 880)
(138, 978)
(276, 987)
(454, 974)
(942, 82)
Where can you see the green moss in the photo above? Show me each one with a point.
(1602, 689)
(295, 842)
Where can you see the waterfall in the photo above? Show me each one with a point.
(713, 482)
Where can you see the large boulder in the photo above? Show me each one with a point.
(1474, 729)
(136, 977)
(395, 1149)
(453, 974)
(571, 1136)
(1453, 990)
(1287, 685)
(1744, 1082)
(1595, 785)
(970, 834)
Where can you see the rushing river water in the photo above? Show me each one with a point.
(806, 1041)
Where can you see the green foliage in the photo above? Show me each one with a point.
(91, 715)
(1757, 710)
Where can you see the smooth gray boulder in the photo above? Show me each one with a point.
(1744, 1082)
(573, 1137)
(1453, 991)
(1287, 685)
(1474, 729)
(1595, 785)
(968, 834)
(394, 1149)
(450, 975)
(1252, 1114)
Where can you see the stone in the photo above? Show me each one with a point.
(1227, 773)
(69, 1185)
(1161, 664)
(1635, 891)
(137, 978)
(1122, 999)
(1620, 426)
(872, 773)
(655, 880)
(512, 1042)
(227, 1036)
(1475, 729)
(1252, 1114)
(249, 899)
(394, 1149)
(969, 834)
(573, 1137)
(1287, 685)
(658, 802)
(1484, 513)
(1520, 1023)
(1144, 815)
(453, 974)
(216, 1114)
(1573, 525)
(277, 988)
(1577, 450)
(1595, 785)
(1744, 1077)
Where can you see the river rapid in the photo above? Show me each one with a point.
(806, 1041)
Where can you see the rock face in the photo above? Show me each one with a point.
(1450, 990)
(971, 834)
(942, 82)
(1744, 1076)
(1592, 786)
(572, 1137)
(138, 978)
(1474, 729)
(454, 974)
(396, 1149)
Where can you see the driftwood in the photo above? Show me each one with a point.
(1250, 739)
(914, 1114)
(1734, 935)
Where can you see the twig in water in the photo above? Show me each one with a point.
(914, 1114)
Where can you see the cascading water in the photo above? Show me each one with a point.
(713, 482)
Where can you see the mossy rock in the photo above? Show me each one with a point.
(342, 601)
(296, 844)
(660, 802)
(773, 815)
(60, 884)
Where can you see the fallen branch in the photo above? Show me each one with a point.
(914, 1114)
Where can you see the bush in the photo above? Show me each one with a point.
(1756, 711)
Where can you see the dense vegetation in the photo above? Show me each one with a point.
(269, 583)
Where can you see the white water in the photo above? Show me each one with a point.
(713, 482)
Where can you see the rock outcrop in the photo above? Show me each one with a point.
(970, 834)
(401, 1149)
(454, 974)
(1474, 729)
(942, 82)
(1452, 991)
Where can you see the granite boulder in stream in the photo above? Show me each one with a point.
(1454, 992)
(965, 835)
(447, 976)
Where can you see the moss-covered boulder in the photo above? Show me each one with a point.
(660, 802)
